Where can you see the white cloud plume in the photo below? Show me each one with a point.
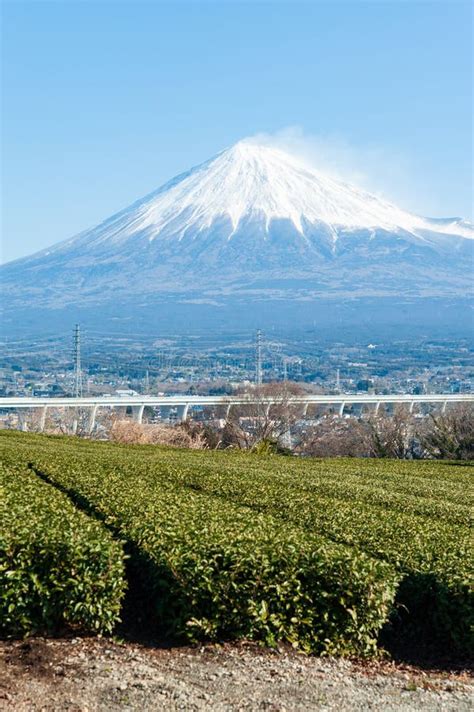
(380, 170)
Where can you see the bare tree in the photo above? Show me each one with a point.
(380, 436)
(334, 437)
(63, 421)
(450, 435)
(268, 417)
(392, 435)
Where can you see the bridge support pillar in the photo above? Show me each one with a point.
(412, 405)
(22, 421)
(91, 423)
(341, 409)
(377, 407)
(227, 413)
(42, 422)
(184, 412)
(137, 413)
(445, 405)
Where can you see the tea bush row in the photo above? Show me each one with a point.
(215, 570)
(433, 555)
(352, 502)
(441, 487)
(58, 568)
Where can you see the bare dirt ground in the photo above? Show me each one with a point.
(90, 674)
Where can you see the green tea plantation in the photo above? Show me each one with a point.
(335, 557)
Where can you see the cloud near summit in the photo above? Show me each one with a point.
(381, 170)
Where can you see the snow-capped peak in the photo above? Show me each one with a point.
(259, 182)
(256, 184)
(252, 218)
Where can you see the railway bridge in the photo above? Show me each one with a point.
(183, 405)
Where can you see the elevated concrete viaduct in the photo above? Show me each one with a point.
(184, 404)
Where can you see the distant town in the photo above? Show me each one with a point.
(212, 365)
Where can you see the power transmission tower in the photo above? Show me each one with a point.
(258, 359)
(77, 362)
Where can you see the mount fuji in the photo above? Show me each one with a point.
(250, 233)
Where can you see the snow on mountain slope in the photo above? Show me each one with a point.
(251, 178)
(251, 220)
(257, 183)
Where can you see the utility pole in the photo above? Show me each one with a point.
(77, 362)
(258, 358)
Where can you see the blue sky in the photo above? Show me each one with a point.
(104, 101)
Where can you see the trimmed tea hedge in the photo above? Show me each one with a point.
(432, 553)
(215, 570)
(57, 566)
(412, 515)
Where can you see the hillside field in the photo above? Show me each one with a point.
(339, 557)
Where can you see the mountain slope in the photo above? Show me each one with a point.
(253, 223)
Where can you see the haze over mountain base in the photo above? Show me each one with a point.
(365, 318)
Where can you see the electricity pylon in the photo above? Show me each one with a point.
(77, 362)
(258, 359)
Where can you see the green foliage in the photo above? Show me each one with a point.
(216, 570)
(428, 540)
(57, 566)
(267, 446)
(274, 548)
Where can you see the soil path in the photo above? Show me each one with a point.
(98, 675)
